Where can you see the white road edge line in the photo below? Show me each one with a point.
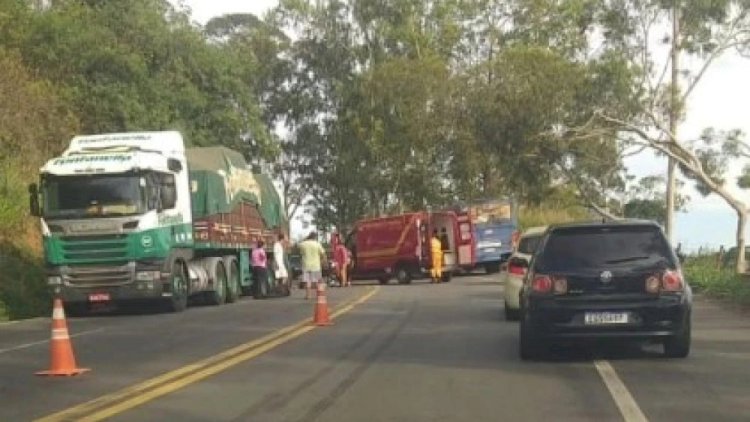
(36, 343)
(622, 397)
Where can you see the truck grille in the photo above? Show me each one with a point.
(95, 248)
(99, 276)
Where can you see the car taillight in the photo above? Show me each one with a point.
(541, 284)
(653, 284)
(516, 269)
(560, 285)
(671, 281)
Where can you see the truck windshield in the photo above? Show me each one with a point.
(92, 196)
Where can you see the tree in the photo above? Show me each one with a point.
(646, 200)
(141, 65)
(704, 31)
(24, 147)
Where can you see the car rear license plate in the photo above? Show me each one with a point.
(597, 318)
(99, 297)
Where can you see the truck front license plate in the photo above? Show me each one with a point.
(99, 297)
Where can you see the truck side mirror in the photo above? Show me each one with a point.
(34, 207)
(174, 165)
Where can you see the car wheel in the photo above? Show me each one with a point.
(529, 346)
(678, 346)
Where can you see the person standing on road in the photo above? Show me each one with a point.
(341, 256)
(279, 260)
(436, 252)
(313, 259)
(258, 261)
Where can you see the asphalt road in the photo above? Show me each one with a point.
(400, 353)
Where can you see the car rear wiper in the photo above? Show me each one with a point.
(628, 259)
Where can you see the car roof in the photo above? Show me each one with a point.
(625, 222)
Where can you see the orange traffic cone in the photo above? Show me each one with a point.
(63, 362)
(321, 318)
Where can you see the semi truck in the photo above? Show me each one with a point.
(138, 217)
(399, 246)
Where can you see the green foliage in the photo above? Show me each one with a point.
(705, 275)
(546, 215)
(23, 289)
(646, 199)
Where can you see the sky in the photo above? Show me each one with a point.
(720, 100)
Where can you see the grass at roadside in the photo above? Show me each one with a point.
(704, 275)
(23, 293)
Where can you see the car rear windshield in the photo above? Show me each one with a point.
(527, 244)
(584, 248)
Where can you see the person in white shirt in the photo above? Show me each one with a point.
(279, 261)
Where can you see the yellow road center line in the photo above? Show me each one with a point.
(623, 399)
(181, 377)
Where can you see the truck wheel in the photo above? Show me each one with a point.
(384, 280)
(233, 278)
(180, 280)
(218, 274)
(403, 276)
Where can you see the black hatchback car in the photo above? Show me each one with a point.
(605, 280)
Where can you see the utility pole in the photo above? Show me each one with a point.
(674, 115)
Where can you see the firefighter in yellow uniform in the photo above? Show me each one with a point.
(436, 252)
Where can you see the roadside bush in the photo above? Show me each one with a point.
(702, 273)
(542, 216)
(23, 293)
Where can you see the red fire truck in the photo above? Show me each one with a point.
(399, 246)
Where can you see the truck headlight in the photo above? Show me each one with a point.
(54, 280)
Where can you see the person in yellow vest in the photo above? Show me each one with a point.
(436, 252)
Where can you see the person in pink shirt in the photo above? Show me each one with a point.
(258, 261)
(341, 257)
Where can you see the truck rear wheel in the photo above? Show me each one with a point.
(217, 273)
(179, 281)
(384, 280)
(403, 276)
(233, 278)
